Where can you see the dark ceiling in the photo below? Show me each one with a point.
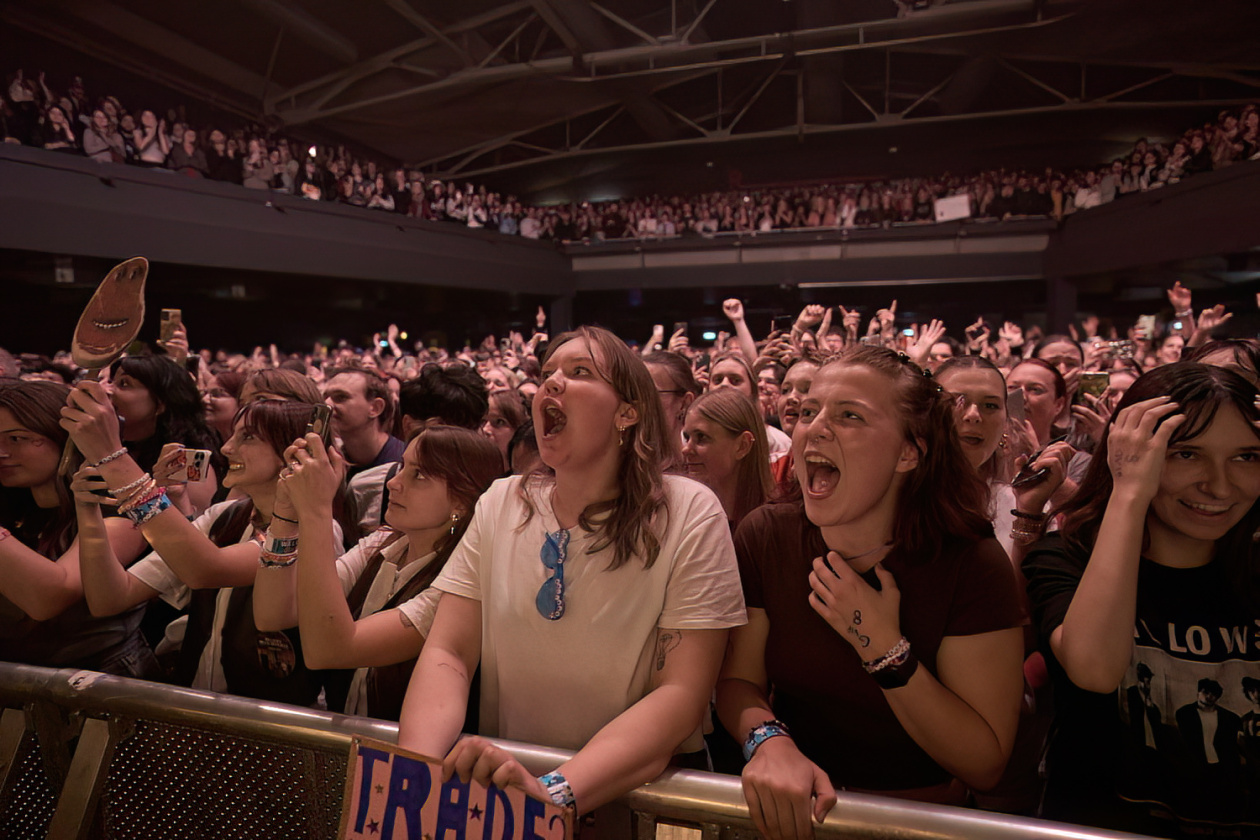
(568, 99)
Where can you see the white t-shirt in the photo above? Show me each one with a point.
(559, 682)
(389, 579)
(153, 571)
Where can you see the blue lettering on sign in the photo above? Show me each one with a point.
(368, 757)
(452, 812)
(534, 811)
(409, 785)
(495, 798)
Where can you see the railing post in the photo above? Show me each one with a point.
(85, 781)
(12, 731)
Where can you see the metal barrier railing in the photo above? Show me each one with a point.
(86, 755)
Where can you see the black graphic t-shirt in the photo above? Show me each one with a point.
(1176, 749)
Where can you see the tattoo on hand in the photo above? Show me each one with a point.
(857, 616)
(864, 641)
(665, 642)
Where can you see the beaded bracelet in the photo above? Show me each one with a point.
(559, 789)
(149, 493)
(110, 457)
(1022, 537)
(124, 490)
(1031, 517)
(894, 653)
(147, 490)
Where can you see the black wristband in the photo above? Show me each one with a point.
(895, 676)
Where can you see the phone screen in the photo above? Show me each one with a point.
(1015, 407)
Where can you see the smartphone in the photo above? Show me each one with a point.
(321, 423)
(1093, 383)
(1029, 477)
(172, 319)
(783, 323)
(187, 465)
(1120, 349)
(1015, 406)
(1146, 326)
(680, 326)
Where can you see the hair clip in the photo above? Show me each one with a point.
(903, 357)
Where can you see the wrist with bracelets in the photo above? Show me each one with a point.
(278, 552)
(559, 789)
(762, 733)
(1026, 527)
(895, 668)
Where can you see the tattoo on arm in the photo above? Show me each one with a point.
(864, 641)
(665, 642)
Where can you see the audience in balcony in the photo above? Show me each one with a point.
(267, 161)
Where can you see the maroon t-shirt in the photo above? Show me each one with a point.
(837, 714)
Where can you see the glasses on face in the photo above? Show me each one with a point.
(550, 598)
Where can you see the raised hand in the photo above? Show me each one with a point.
(313, 475)
(1136, 449)
(921, 348)
(734, 309)
(1012, 334)
(851, 319)
(1179, 296)
(1210, 319)
(810, 316)
(89, 417)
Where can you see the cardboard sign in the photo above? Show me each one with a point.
(394, 794)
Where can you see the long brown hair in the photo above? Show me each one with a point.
(734, 412)
(630, 525)
(943, 495)
(1200, 390)
(37, 406)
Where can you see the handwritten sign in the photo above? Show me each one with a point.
(394, 794)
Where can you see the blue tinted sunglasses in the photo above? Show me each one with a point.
(550, 598)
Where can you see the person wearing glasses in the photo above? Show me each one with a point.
(595, 592)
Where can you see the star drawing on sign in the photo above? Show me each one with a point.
(380, 788)
(474, 812)
(373, 826)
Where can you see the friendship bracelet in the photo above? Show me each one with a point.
(147, 493)
(110, 457)
(268, 560)
(284, 518)
(762, 733)
(896, 651)
(559, 789)
(148, 509)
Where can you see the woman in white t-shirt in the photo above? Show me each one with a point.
(594, 592)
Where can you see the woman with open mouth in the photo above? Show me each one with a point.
(208, 565)
(883, 617)
(595, 592)
(1147, 604)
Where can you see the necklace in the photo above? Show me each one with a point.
(865, 553)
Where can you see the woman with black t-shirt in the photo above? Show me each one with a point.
(883, 617)
(1148, 608)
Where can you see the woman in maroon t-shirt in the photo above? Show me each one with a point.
(903, 675)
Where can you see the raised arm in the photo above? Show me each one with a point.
(199, 563)
(1095, 641)
(734, 309)
(44, 588)
(108, 587)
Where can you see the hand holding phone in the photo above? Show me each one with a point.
(321, 423)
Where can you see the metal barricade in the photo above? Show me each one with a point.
(86, 755)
